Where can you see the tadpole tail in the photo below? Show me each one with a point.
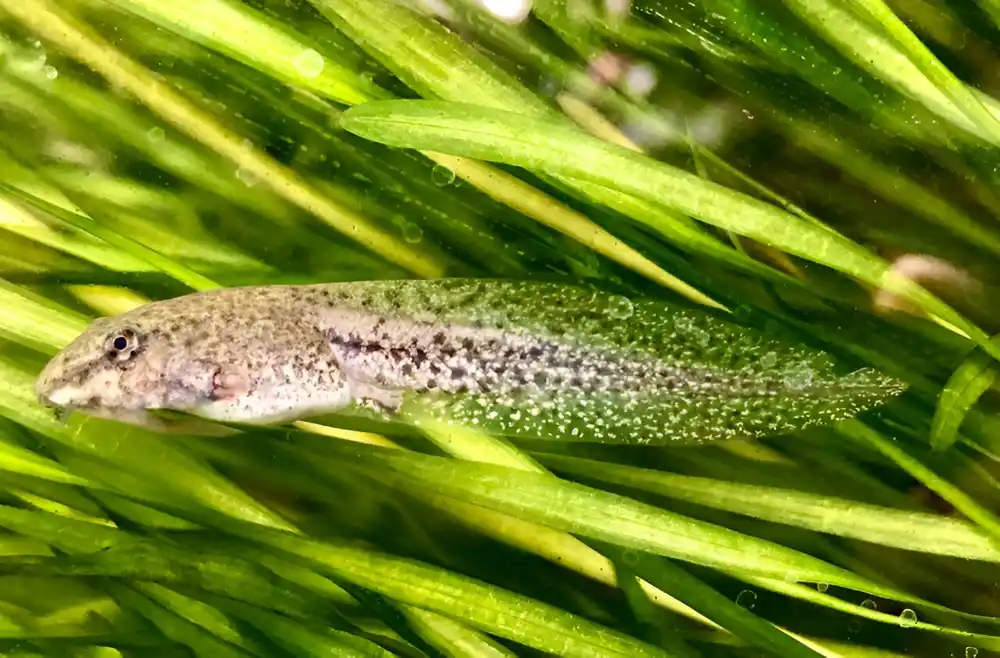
(684, 375)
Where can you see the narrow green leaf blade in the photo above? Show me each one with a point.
(552, 146)
(967, 384)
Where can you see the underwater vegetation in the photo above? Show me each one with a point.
(783, 198)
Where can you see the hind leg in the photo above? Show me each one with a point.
(383, 402)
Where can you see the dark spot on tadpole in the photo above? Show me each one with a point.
(535, 351)
(431, 384)
(435, 369)
(448, 351)
(406, 369)
(456, 373)
(468, 344)
(439, 338)
(540, 378)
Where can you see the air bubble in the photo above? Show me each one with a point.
(971, 652)
(510, 11)
(309, 63)
(442, 176)
(620, 307)
(800, 378)
(907, 618)
(50, 72)
(747, 599)
(156, 134)
(640, 79)
(769, 360)
(246, 177)
(412, 233)
(822, 587)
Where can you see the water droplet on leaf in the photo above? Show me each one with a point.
(442, 176)
(246, 177)
(907, 618)
(412, 233)
(747, 599)
(309, 63)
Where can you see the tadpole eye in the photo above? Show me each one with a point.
(122, 345)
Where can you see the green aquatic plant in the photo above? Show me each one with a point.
(822, 172)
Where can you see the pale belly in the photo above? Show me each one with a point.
(275, 406)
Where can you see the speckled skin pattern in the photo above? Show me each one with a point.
(522, 359)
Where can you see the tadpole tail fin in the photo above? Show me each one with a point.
(693, 376)
(704, 416)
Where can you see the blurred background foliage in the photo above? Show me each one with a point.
(824, 169)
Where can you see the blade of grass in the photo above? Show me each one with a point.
(969, 382)
(904, 529)
(35, 321)
(57, 26)
(961, 95)
(668, 576)
(656, 573)
(489, 134)
(454, 639)
(558, 547)
(534, 203)
(172, 625)
(298, 638)
(905, 620)
(876, 51)
(124, 243)
(482, 606)
(274, 48)
(428, 49)
(432, 61)
(591, 513)
(200, 614)
(960, 500)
